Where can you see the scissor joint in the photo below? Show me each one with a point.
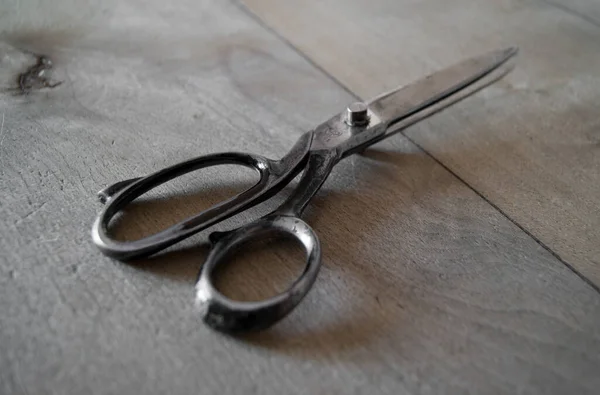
(357, 114)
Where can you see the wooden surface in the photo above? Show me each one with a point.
(426, 288)
(530, 144)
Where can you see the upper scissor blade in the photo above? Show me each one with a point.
(396, 105)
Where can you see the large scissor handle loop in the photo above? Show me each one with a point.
(274, 175)
(119, 195)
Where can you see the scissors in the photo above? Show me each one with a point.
(315, 153)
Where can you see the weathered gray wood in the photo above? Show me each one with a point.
(425, 287)
(530, 143)
(588, 10)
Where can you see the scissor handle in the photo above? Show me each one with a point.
(274, 175)
(227, 315)
(231, 316)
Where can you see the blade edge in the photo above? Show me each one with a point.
(391, 107)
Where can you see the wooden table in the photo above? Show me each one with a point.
(460, 257)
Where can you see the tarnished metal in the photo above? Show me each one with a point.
(315, 153)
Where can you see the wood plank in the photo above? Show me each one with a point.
(425, 287)
(529, 144)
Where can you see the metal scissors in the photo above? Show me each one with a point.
(316, 152)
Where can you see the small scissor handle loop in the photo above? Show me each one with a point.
(227, 315)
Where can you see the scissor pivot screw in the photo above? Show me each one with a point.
(357, 115)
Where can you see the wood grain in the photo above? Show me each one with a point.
(528, 144)
(425, 288)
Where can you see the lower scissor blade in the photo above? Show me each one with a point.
(404, 102)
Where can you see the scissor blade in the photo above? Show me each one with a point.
(401, 103)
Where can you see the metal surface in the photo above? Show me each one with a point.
(316, 153)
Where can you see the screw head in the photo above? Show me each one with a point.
(357, 115)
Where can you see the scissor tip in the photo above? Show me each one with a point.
(503, 55)
(511, 51)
